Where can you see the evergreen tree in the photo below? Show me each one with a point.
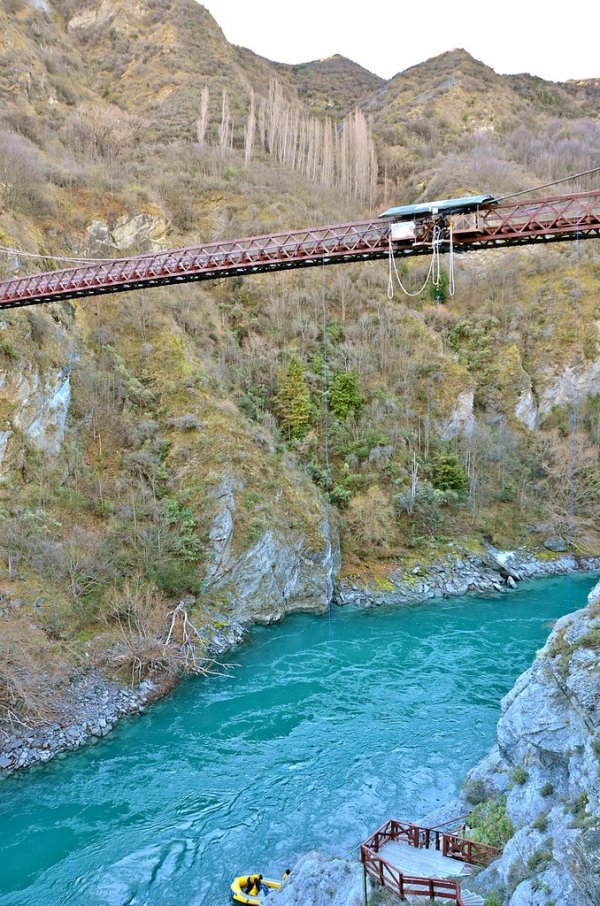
(345, 397)
(448, 473)
(292, 403)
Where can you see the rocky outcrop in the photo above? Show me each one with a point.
(276, 575)
(547, 762)
(575, 383)
(319, 880)
(526, 410)
(140, 232)
(462, 419)
(43, 403)
(37, 405)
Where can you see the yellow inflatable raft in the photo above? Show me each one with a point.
(251, 899)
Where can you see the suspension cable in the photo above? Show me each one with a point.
(548, 185)
(22, 254)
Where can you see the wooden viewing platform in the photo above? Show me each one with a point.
(410, 860)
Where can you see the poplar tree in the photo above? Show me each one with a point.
(292, 403)
(203, 118)
(250, 129)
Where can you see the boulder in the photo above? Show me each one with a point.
(555, 543)
(319, 880)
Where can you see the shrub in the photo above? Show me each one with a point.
(489, 823)
(519, 775)
(26, 670)
(540, 859)
(541, 824)
(493, 899)
(547, 789)
(474, 790)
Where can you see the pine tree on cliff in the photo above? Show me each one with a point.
(346, 398)
(292, 403)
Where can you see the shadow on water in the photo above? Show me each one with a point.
(310, 744)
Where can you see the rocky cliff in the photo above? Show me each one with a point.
(546, 768)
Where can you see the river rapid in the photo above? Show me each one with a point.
(324, 729)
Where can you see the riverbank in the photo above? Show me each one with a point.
(90, 707)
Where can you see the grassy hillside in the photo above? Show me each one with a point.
(448, 419)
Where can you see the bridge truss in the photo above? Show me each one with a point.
(554, 219)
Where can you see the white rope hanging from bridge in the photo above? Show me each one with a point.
(434, 272)
(393, 270)
(451, 279)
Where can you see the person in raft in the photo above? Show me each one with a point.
(253, 885)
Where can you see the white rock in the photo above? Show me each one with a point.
(462, 420)
(571, 384)
(43, 408)
(526, 409)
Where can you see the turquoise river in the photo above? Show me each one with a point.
(323, 730)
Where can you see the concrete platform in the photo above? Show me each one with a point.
(424, 863)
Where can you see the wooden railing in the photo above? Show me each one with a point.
(466, 850)
(451, 845)
(390, 877)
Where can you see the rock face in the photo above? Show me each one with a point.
(571, 384)
(319, 880)
(462, 420)
(44, 403)
(37, 405)
(140, 232)
(276, 575)
(526, 409)
(548, 760)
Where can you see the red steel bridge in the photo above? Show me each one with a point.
(555, 219)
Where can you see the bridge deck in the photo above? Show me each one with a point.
(423, 862)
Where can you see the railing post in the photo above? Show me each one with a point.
(364, 884)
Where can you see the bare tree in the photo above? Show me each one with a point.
(225, 127)
(250, 129)
(203, 118)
